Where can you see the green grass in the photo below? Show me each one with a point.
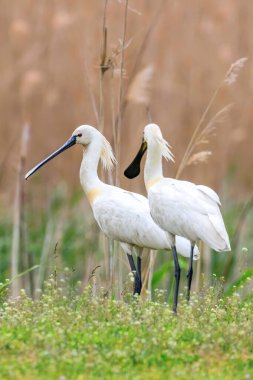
(68, 334)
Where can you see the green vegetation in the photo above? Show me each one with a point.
(69, 334)
(74, 329)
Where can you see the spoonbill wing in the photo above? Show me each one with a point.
(210, 193)
(190, 211)
(126, 217)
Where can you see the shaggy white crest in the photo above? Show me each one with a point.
(165, 149)
(152, 133)
(107, 157)
(85, 134)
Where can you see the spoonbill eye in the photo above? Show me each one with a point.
(79, 135)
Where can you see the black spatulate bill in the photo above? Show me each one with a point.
(134, 168)
(67, 145)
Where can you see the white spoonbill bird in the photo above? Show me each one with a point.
(178, 207)
(122, 215)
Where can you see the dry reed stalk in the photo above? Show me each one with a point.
(31, 276)
(119, 270)
(18, 238)
(199, 268)
(133, 10)
(151, 272)
(210, 128)
(111, 181)
(46, 249)
(105, 64)
(119, 118)
(232, 259)
(199, 157)
(53, 234)
(89, 265)
(191, 145)
(103, 243)
(234, 70)
(55, 256)
(94, 286)
(144, 74)
(117, 277)
(134, 71)
(207, 262)
(229, 78)
(139, 92)
(112, 97)
(91, 95)
(202, 136)
(103, 68)
(147, 276)
(247, 207)
(93, 279)
(15, 244)
(111, 265)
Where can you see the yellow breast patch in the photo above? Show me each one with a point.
(152, 182)
(93, 194)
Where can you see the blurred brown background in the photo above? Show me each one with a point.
(50, 56)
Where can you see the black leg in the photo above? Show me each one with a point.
(177, 277)
(139, 271)
(137, 287)
(189, 274)
(131, 262)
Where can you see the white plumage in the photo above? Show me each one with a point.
(178, 207)
(181, 207)
(122, 215)
(184, 209)
(125, 216)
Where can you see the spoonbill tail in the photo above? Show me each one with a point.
(178, 207)
(122, 215)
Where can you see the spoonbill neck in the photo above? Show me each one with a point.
(89, 179)
(153, 170)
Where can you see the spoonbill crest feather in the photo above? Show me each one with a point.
(153, 136)
(86, 133)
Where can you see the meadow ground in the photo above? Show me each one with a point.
(67, 334)
(74, 330)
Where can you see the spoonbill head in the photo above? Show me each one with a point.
(153, 137)
(84, 135)
(152, 140)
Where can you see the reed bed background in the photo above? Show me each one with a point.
(117, 65)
